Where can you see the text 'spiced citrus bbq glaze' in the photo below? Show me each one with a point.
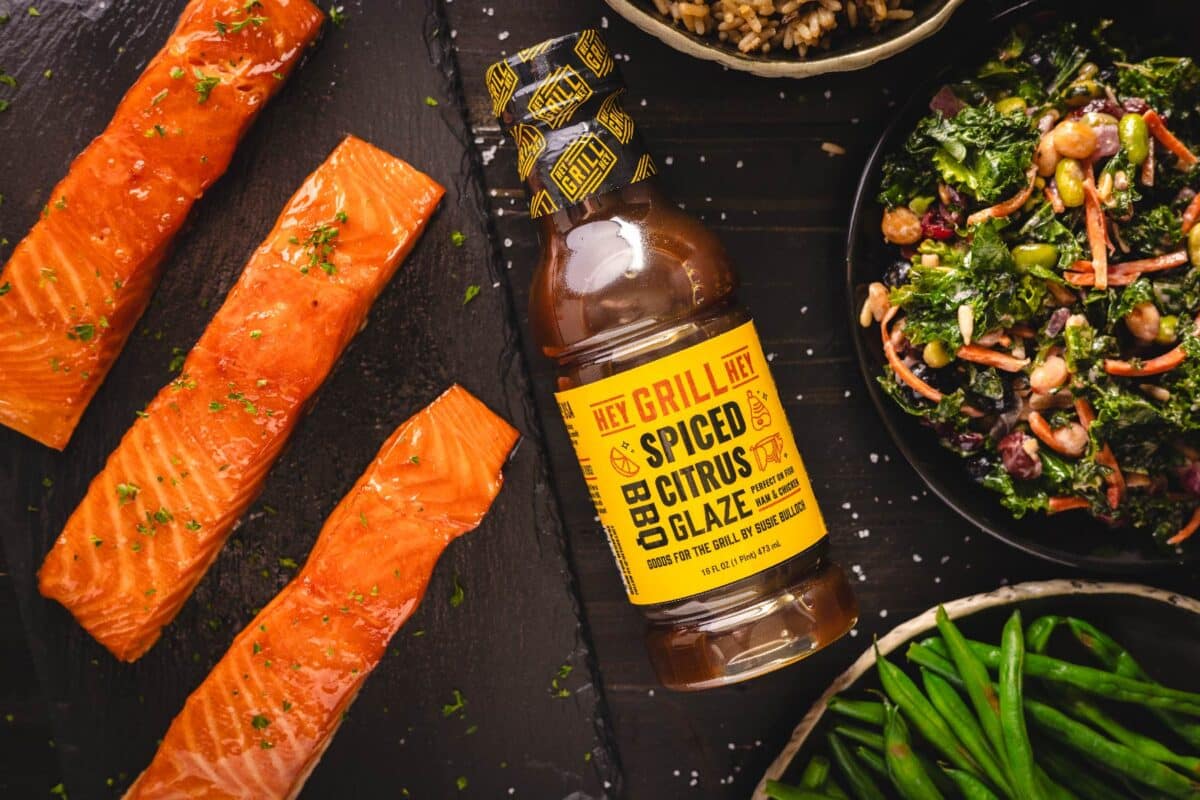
(664, 388)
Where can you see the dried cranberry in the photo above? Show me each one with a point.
(934, 227)
(1016, 458)
(1057, 321)
(1101, 105)
(1189, 477)
(1135, 105)
(946, 102)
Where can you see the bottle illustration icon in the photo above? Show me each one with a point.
(760, 415)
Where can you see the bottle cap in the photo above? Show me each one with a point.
(560, 101)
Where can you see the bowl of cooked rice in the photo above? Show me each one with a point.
(789, 38)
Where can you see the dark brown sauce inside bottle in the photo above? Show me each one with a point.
(626, 279)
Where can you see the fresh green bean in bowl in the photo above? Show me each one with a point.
(1007, 719)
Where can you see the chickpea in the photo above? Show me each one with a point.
(1046, 157)
(901, 226)
(1074, 139)
(1072, 439)
(1143, 321)
(1049, 375)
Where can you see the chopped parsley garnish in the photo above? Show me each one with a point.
(288, 563)
(461, 782)
(414, 459)
(82, 332)
(157, 130)
(5, 289)
(126, 492)
(7, 80)
(95, 540)
(458, 595)
(457, 238)
(255, 334)
(471, 293)
(265, 745)
(286, 705)
(158, 98)
(221, 27)
(177, 72)
(150, 592)
(163, 516)
(259, 722)
(430, 101)
(215, 406)
(319, 246)
(178, 356)
(337, 15)
(33, 12)
(60, 203)
(204, 84)
(192, 525)
(240, 25)
(459, 705)
(257, 648)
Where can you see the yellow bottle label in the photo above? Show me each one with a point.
(693, 469)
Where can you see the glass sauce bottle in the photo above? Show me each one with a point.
(664, 388)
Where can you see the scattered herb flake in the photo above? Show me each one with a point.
(259, 722)
(458, 595)
(458, 705)
(177, 72)
(33, 12)
(126, 492)
(471, 293)
(288, 563)
(204, 84)
(461, 782)
(82, 332)
(457, 238)
(337, 15)
(430, 101)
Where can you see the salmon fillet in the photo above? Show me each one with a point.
(75, 286)
(258, 723)
(157, 515)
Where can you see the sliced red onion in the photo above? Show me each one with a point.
(946, 102)
(1057, 321)
(1108, 141)
(1016, 458)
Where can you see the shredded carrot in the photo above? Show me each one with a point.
(1187, 530)
(1022, 331)
(992, 358)
(1105, 456)
(1191, 214)
(1096, 231)
(1153, 366)
(905, 374)
(1159, 128)
(1081, 272)
(1006, 207)
(1042, 430)
(1087, 415)
(899, 367)
(1057, 505)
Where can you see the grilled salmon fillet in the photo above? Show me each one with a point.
(75, 286)
(258, 723)
(157, 515)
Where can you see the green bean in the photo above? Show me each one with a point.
(1050, 789)
(921, 654)
(970, 787)
(907, 773)
(861, 736)
(904, 693)
(1068, 177)
(1111, 755)
(975, 677)
(816, 771)
(869, 711)
(1060, 766)
(781, 791)
(1134, 136)
(1117, 659)
(1035, 254)
(1017, 749)
(1037, 634)
(960, 719)
(862, 785)
(1098, 682)
(873, 760)
(1087, 711)
(834, 789)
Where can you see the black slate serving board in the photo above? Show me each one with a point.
(514, 646)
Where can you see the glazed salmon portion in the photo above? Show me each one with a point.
(197, 456)
(75, 286)
(258, 723)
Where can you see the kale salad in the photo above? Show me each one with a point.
(1042, 314)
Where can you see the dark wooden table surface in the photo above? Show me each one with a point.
(744, 154)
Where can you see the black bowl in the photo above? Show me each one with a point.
(1073, 538)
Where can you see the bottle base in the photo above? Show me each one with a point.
(761, 636)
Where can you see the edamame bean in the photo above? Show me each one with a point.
(936, 355)
(1168, 329)
(1011, 105)
(1193, 246)
(1068, 177)
(1035, 254)
(921, 204)
(1135, 137)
